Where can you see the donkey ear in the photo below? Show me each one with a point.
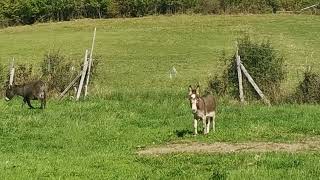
(190, 90)
(198, 90)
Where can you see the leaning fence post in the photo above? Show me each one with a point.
(11, 73)
(90, 63)
(239, 75)
(83, 74)
(255, 86)
(69, 86)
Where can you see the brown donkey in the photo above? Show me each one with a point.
(203, 108)
(35, 90)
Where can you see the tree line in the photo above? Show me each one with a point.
(14, 12)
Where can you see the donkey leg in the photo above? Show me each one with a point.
(208, 124)
(24, 102)
(195, 126)
(45, 100)
(42, 104)
(204, 121)
(213, 121)
(29, 104)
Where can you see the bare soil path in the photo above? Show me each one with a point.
(223, 147)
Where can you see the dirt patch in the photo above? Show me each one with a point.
(221, 147)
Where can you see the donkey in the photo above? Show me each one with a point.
(203, 108)
(35, 90)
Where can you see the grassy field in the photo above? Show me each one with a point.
(99, 139)
(140, 52)
(135, 104)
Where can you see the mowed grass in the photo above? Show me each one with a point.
(135, 104)
(99, 138)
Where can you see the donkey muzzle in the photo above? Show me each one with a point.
(7, 99)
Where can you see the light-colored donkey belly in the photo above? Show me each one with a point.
(201, 114)
(210, 114)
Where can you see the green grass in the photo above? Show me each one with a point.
(136, 105)
(99, 139)
(140, 52)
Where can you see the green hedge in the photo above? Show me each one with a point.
(30, 11)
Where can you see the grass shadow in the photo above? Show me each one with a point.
(182, 133)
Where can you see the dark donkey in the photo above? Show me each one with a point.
(35, 90)
(203, 108)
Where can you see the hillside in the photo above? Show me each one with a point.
(140, 52)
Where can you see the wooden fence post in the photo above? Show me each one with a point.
(90, 63)
(12, 70)
(69, 86)
(239, 75)
(315, 5)
(83, 74)
(255, 86)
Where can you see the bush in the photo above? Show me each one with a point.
(57, 71)
(264, 65)
(23, 74)
(308, 90)
(208, 7)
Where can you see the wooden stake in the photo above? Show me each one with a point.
(255, 86)
(310, 7)
(12, 70)
(69, 86)
(90, 63)
(83, 74)
(239, 76)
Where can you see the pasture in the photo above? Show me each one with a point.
(134, 105)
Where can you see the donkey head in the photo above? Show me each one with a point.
(9, 93)
(194, 96)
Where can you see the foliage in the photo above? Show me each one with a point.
(308, 90)
(31, 11)
(23, 73)
(218, 85)
(58, 71)
(262, 62)
(208, 7)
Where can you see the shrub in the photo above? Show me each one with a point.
(308, 90)
(57, 71)
(94, 68)
(264, 65)
(23, 73)
(208, 7)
